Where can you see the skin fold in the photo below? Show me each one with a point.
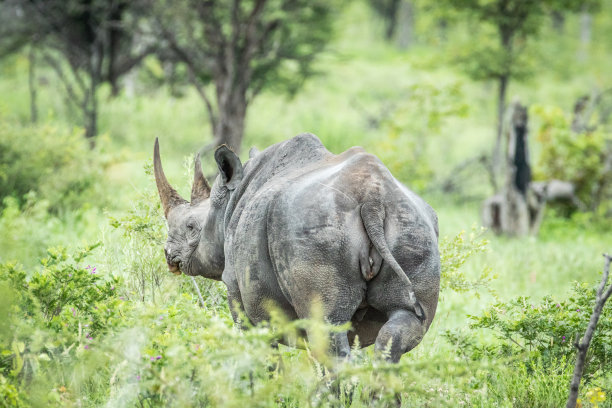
(297, 224)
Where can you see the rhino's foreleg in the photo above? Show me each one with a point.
(234, 299)
(404, 331)
(237, 310)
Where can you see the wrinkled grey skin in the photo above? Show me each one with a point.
(298, 224)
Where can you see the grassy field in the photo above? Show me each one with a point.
(150, 344)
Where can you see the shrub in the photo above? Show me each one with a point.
(537, 339)
(55, 164)
(454, 253)
(53, 317)
(576, 157)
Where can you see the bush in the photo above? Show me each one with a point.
(66, 344)
(454, 253)
(55, 164)
(575, 157)
(67, 341)
(537, 339)
(52, 317)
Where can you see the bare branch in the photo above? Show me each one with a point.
(197, 288)
(585, 342)
(251, 36)
(130, 62)
(184, 56)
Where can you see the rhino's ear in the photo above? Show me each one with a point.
(230, 167)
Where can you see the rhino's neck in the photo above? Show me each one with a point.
(209, 254)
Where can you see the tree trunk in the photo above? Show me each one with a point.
(90, 100)
(232, 107)
(583, 344)
(391, 19)
(91, 126)
(442, 29)
(32, 85)
(558, 21)
(501, 108)
(90, 112)
(585, 34)
(405, 24)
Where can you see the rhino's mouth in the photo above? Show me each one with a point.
(174, 268)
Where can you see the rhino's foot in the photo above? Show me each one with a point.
(402, 332)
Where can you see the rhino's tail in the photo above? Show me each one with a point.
(373, 217)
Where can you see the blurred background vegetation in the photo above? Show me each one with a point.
(90, 317)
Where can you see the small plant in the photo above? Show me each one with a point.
(454, 253)
(143, 232)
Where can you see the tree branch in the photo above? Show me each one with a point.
(583, 345)
(184, 56)
(200, 89)
(130, 62)
(72, 96)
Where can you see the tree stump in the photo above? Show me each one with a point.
(516, 210)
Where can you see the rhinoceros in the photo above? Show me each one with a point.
(297, 224)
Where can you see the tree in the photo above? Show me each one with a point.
(398, 17)
(513, 23)
(241, 47)
(388, 11)
(86, 43)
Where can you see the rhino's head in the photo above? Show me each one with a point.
(195, 229)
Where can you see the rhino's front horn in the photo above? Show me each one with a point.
(168, 195)
(200, 189)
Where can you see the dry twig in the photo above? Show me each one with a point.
(603, 294)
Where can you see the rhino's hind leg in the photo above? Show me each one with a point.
(339, 345)
(403, 331)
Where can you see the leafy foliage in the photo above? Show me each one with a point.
(511, 23)
(539, 337)
(424, 111)
(278, 51)
(66, 333)
(454, 252)
(55, 164)
(571, 156)
(52, 317)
